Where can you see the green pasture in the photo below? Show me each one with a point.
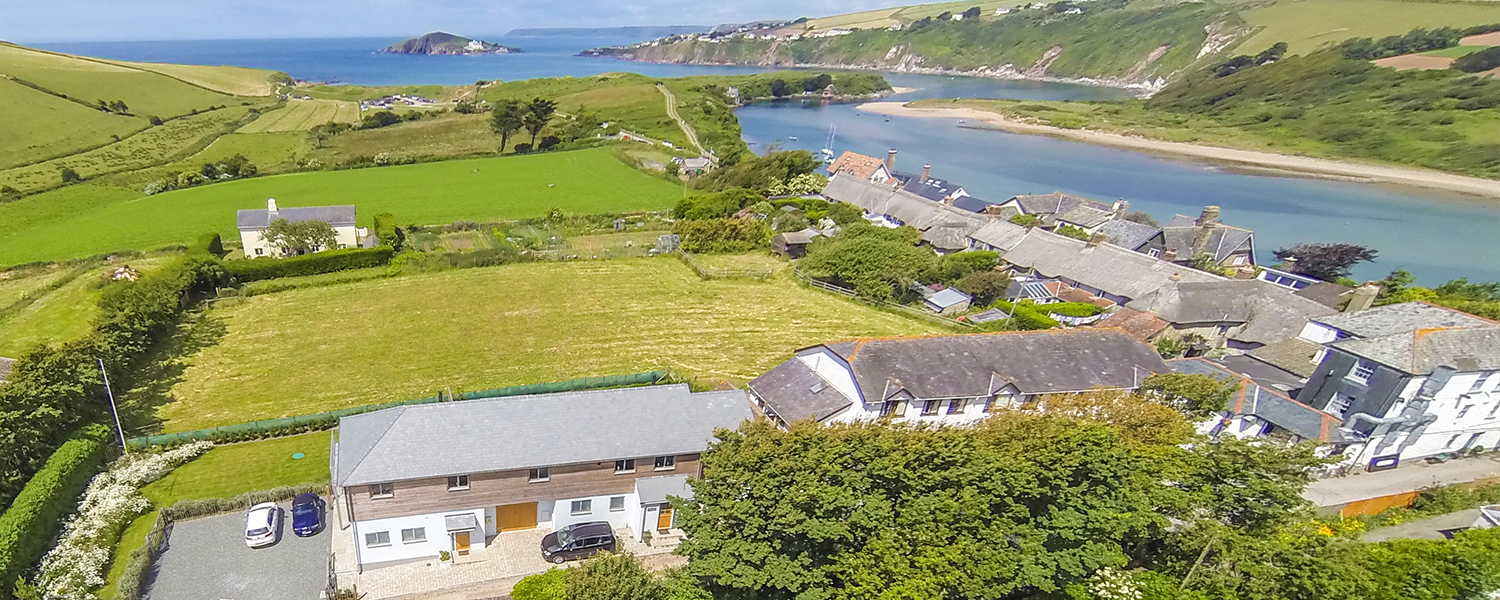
(1455, 51)
(237, 81)
(270, 152)
(89, 80)
(355, 93)
(323, 348)
(450, 134)
(302, 115)
(225, 472)
(1307, 24)
(84, 220)
(63, 314)
(19, 285)
(39, 125)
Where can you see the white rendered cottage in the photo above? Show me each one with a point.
(252, 225)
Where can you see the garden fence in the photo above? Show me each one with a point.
(719, 272)
(327, 419)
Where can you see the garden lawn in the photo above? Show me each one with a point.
(95, 219)
(311, 350)
(226, 472)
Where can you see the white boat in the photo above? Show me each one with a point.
(793, 138)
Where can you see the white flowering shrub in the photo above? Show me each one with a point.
(1112, 584)
(77, 564)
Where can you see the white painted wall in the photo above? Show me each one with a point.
(250, 240)
(1471, 395)
(562, 515)
(833, 370)
(1318, 333)
(436, 532)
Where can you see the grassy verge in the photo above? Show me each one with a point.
(225, 472)
(323, 348)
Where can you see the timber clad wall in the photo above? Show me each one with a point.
(488, 490)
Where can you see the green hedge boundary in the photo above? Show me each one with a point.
(317, 263)
(33, 519)
(328, 419)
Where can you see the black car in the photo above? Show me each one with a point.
(307, 515)
(579, 540)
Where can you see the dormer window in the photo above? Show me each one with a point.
(1362, 371)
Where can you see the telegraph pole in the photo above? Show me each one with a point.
(112, 409)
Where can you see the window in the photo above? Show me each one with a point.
(1480, 382)
(1464, 411)
(1318, 356)
(1452, 440)
(458, 482)
(930, 407)
(616, 503)
(414, 536)
(1362, 371)
(1154, 252)
(1221, 330)
(892, 407)
(378, 539)
(956, 407)
(1339, 404)
(1493, 411)
(382, 490)
(625, 466)
(582, 507)
(538, 474)
(260, 251)
(666, 463)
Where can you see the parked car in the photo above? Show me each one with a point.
(307, 515)
(261, 524)
(579, 540)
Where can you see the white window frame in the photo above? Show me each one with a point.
(931, 407)
(374, 539)
(458, 483)
(1318, 356)
(1153, 252)
(1452, 440)
(379, 491)
(666, 463)
(1463, 411)
(260, 251)
(1354, 371)
(1342, 407)
(624, 465)
(419, 535)
(581, 507)
(539, 475)
(613, 500)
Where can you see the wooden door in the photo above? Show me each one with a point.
(461, 543)
(664, 518)
(515, 517)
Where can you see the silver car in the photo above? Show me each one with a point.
(261, 524)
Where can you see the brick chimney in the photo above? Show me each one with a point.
(890, 160)
(1120, 208)
(1362, 297)
(271, 208)
(1209, 216)
(926, 169)
(1169, 255)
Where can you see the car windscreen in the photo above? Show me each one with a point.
(563, 537)
(304, 509)
(258, 531)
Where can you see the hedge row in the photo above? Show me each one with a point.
(316, 263)
(132, 580)
(208, 243)
(36, 514)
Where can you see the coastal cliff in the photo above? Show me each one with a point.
(446, 43)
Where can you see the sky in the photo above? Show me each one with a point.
(31, 21)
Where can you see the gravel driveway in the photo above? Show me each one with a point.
(206, 559)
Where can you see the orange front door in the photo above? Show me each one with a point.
(461, 543)
(664, 520)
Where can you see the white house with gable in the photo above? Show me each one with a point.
(252, 225)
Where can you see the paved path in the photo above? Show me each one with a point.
(206, 559)
(1336, 491)
(686, 129)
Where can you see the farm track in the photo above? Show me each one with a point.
(686, 129)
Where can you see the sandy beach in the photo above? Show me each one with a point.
(1285, 164)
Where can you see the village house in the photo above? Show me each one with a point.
(950, 379)
(1057, 209)
(1259, 410)
(858, 165)
(1103, 270)
(1241, 314)
(418, 480)
(252, 225)
(944, 228)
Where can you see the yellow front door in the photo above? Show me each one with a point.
(664, 520)
(461, 543)
(515, 517)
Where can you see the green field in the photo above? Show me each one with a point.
(89, 80)
(302, 115)
(23, 284)
(270, 152)
(1455, 51)
(322, 348)
(451, 134)
(84, 220)
(63, 314)
(1307, 24)
(39, 125)
(225, 472)
(238, 81)
(355, 93)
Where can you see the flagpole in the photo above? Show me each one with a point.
(115, 411)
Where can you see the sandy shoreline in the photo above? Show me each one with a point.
(1298, 165)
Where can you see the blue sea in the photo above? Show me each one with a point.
(1436, 235)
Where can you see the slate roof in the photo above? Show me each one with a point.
(500, 434)
(942, 226)
(1223, 240)
(1107, 267)
(1268, 404)
(1400, 318)
(1127, 234)
(337, 216)
(999, 233)
(656, 490)
(6, 364)
(794, 392)
(1325, 293)
(932, 189)
(1136, 324)
(1270, 313)
(1293, 355)
(970, 203)
(805, 236)
(857, 164)
(1423, 350)
(993, 314)
(974, 365)
(1057, 203)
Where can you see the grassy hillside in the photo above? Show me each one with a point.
(87, 219)
(40, 125)
(303, 115)
(314, 349)
(1306, 25)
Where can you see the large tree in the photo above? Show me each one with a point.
(538, 114)
(877, 262)
(292, 238)
(1328, 262)
(506, 118)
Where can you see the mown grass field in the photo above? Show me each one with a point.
(23, 284)
(629, 99)
(225, 472)
(1307, 24)
(355, 93)
(39, 125)
(83, 220)
(451, 134)
(174, 139)
(238, 81)
(65, 313)
(302, 115)
(318, 349)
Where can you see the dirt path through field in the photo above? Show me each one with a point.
(686, 129)
(1317, 167)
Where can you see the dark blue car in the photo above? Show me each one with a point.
(307, 515)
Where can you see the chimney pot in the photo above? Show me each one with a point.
(890, 160)
(270, 205)
(926, 169)
(1120, 208)
(1169, 255)
(1210, 215)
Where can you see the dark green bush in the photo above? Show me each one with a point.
(388, 232)
(308, 264)
(208, 243)
(1482, 60)
(35, 516)
(722, 235)
(551, 585)
(1071, 309)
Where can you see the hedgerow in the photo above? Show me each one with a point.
(33, 519)
(308, 264)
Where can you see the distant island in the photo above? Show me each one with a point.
(439, 42)
(646, 31)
